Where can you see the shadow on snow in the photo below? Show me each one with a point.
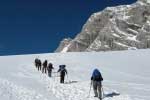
(112, 94)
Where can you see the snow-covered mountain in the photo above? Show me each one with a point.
(126, 73)
(115, 28)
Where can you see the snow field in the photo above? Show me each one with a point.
(10, 91)
(124, 72)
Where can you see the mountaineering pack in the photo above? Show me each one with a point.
(97, 75)
(62, 70)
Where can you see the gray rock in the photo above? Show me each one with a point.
(115, 28)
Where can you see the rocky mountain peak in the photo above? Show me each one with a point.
(115, 28)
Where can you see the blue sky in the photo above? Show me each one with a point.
(37, 26)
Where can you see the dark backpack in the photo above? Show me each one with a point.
(97, 75)
(45, 63)
(50, 67)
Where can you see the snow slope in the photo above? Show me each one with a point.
(124, 72)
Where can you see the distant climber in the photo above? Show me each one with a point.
(49, 69)
(63, 72)
(44, 68)
(36, 62)
(96, 80)
(39, 64)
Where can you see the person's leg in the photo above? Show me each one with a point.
(100, 90)
(61, 79)
(36, 65)
(49, 73)
(40, 67)
(95, 88)
(43, 69)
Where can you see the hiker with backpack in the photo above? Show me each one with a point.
(49, 69)
(39, 64)
(63, 72)
(36, 62)
(44, 69)
(96, 80)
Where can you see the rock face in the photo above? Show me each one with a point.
(63, 44)
(115, 28)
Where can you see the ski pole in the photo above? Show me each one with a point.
(90, 89)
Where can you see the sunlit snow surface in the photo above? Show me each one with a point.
(124, 72)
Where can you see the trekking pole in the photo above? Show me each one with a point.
(89, 90)
(67, 78)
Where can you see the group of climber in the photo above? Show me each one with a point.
(96, 78)
(48, 67)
